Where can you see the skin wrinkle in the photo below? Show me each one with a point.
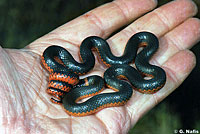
(161, 14)
(33, 66)
(37, 42)
(127, 121)
(195, 8)
(89, 126)
(186, 42)
(61, 123)
(49, 43)
(155, 98)
(57, 41)
(198, 32)
(29, 105)
(76, 57)
(190, 9)
(183, 60)
(34, 124)
(114, 49)
(71, 125)
(148, 106)
(130, 29)
(32, 105)
(114, 3)
(105, 126)
(111, 128)
(167, 91)
(72, 24)
(43, 128)
(142, 21)
(44, 100)
(154, 60)
(9, 61)
(171, 74)
(176, 43)
(43, 44)
(179, 44)
(42, 48)
(146, 6)
(124, 118)
(192, 55)
(40, 87)
(26, 118)
(28, 129)
(119, 116)
(171, 46)
(124, 11)
(94, 19)
(27, 79)
(162, 55)
(124, 35)
(128, 32)
(162, 18)
(14, 79)
(133, 115)
(50, 109)
(129, 117)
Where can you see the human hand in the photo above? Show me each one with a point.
(25, 105)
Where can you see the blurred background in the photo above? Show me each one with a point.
(23, 21)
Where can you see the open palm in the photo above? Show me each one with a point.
(25, 105)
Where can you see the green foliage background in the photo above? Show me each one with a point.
(23, 21)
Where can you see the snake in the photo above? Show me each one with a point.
(68, 89)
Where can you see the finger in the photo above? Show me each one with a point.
(103, 20)
(182, 37)
(177, 68)
(159, 22)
